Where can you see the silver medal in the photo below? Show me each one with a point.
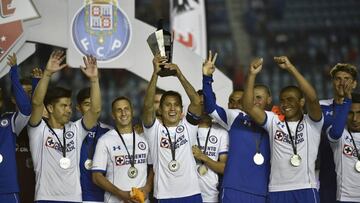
(258, 159)
(173, 166)
(65, 163)
(295, 160)
(357, 166)
(132, 172)
(202, 169)
(1, 158)
(88, 164)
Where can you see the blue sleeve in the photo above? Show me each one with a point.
(34, 83)
(21, 98)
(340, 118)
(210, 99)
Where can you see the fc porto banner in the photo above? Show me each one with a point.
(106, 29)
(188, 23)
(102, 29)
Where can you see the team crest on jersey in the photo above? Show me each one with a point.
(119, 160)
(180, 129)
(4, 123)
(213, 139)
(100, 28)
(50, 142)
(279, 135)
(348, 150)
(142, 145)
(164, 142)
(69, 135)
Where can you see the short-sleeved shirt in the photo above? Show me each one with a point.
(53, 182)
(345, 157)
(112, 158)
(284, 176)
(11, 125)
(184, 182)
(217, 144)
(241, 173)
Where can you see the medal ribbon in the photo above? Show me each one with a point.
(356, 149)
(293, 142)
(206, 141)
(172, 146)
(63, 147)
(132, 159)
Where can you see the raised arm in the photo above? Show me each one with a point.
(36, 75)
(91, 71)
(148, 109)
(21, 98)
(341, 113)
(312, 102)
(195, 106)
(53, 65)
(256, 113)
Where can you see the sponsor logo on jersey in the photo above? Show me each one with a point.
(50, 142)
(283, 137)
(142, 145)
(279, 135)
(116, 148)
(69, 135)
(164, 142)
(119, 160)
(91, 134)
(348, 150)
(4, 123)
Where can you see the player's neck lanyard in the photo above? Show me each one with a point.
(206, 141)
(257, 141)
(172, 145)
(356, 149)
(293, 142)
(132, 159)
(63, 146)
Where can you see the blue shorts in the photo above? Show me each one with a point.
(189, 199)
(310, 195)
(231, 195)
(10, 198)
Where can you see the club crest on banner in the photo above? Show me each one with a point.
(102, 29)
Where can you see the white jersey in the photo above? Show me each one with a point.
(183, 182)
(111, 157)
(218, 143)
(348, 179)
(53, 182)
(284, 176)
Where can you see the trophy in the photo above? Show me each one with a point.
(160, 42)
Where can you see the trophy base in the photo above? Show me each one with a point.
(166, 72)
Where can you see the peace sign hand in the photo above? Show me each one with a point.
(209, 65)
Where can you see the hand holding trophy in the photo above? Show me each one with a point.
(161, 43)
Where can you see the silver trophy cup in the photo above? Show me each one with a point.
(160, 42)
